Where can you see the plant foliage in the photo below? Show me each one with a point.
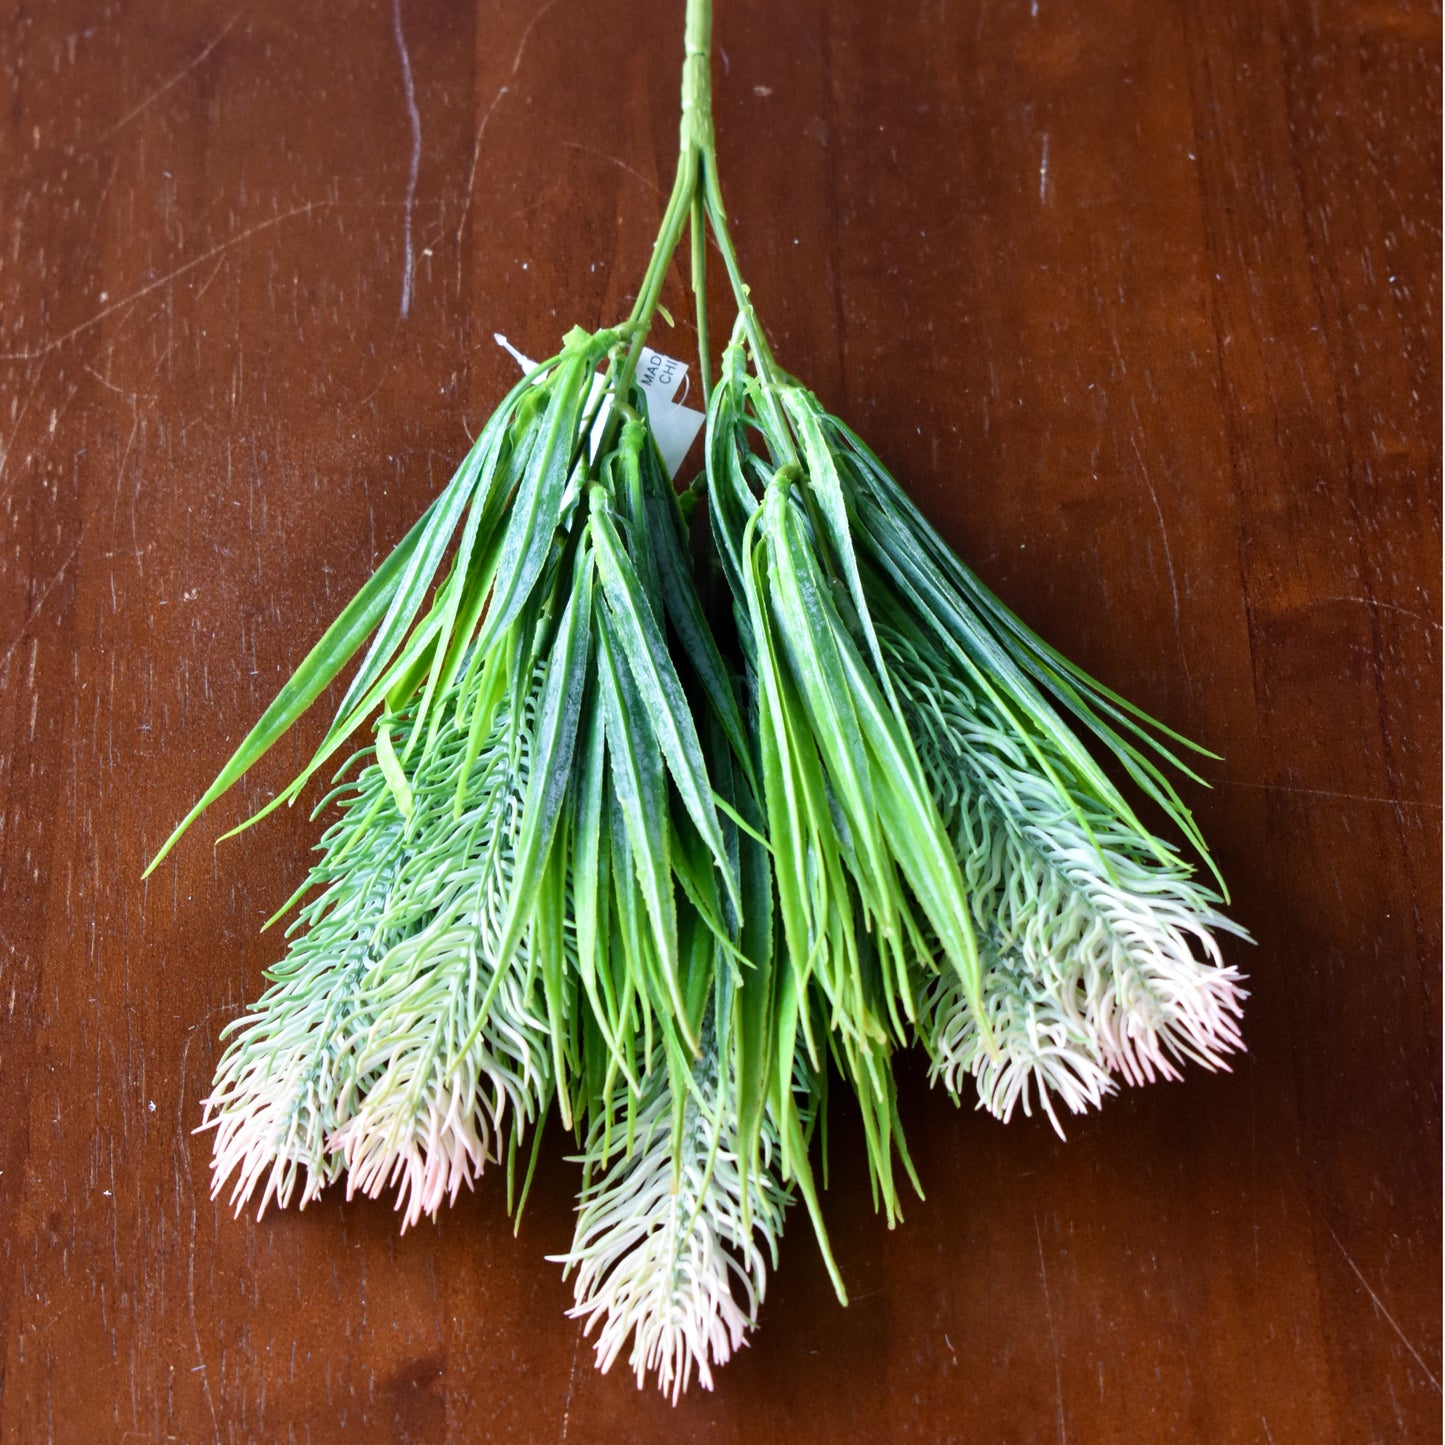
(666, 840)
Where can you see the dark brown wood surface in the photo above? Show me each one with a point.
(1140, 300)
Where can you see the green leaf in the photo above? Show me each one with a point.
(554, 738)
(975, 619)
(337, 647)
(683, 607)
(548, 949)
(754, 1002)
(730, 500)
(591, 876)
(416, 646)
(640, 797)
(795, 1147)
(416, 579)
(826, 488)
(391, 769)
(658, 690)
(537, 506)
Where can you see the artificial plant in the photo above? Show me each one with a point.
(665, 865)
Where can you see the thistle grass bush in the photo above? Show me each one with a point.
(668, 865)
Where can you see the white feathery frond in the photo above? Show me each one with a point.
(393, 1045)
(665, 1252)
(1101, 957)
(456, 1052)
(287, 1078)
(1041, 1047)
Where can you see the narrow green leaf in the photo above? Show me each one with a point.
(416, 579)
(640, 794)
(658, 690)
(337, 647)
(537, 506)
(802, 1173)
(591, 881)
(683, 607)
(554, 738)
(391, 769)
(827, 489)
(916, 833)
(548, 949)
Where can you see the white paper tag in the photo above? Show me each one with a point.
(661, 375)
(674, 426)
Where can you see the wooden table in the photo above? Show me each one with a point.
(1143, 304)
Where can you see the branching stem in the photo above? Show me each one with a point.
(697, 199)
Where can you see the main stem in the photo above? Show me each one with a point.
(695, 148)
(697, 199)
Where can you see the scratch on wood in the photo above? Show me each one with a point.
(1374, 602)
(208, 282)
(1329, 793)
(471, 179)
(414, 116)
(7, 447)
(55, 343)
(1053, 1335)
(40, 602)
(620, 164)
(1168, 564)
(527, 34)
(571, 1383)
(1380, 1306)
(180, 75)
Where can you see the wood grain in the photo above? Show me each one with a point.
(1140, 300)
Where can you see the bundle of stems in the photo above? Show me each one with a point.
(668, 866)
